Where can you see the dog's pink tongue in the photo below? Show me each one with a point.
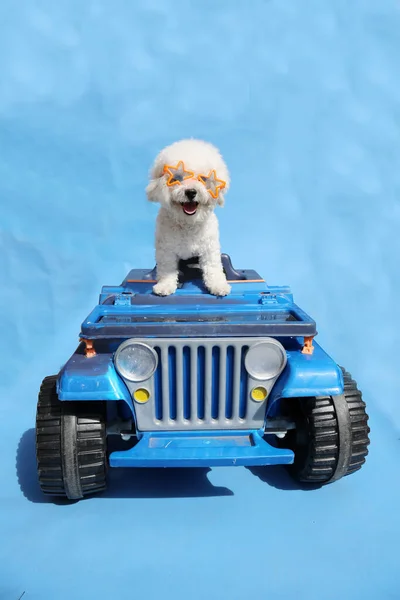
(189, 208)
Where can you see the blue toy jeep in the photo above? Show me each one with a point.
(193, 380)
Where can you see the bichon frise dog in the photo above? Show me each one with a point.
(188, 178)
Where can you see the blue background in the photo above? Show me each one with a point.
(303, 99)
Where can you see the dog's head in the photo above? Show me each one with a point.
(189, 178)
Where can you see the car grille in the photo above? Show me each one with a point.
(200, 384)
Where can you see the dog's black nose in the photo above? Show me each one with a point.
(190, 194)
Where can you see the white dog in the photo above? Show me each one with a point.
(188, 179)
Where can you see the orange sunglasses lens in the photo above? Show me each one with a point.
(177, 174)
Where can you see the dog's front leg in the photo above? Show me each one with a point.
(213, 274)
(167, 273)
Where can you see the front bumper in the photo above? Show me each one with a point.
(201, 449)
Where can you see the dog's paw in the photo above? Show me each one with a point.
(165, 288)
(219, 287)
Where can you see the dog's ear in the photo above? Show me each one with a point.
(222, 194)
(152, 191)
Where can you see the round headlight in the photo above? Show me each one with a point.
(265, 360)
(135, 361)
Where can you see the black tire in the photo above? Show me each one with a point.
(331, 438)
(71, 445)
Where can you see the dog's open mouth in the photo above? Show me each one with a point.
(189, 207)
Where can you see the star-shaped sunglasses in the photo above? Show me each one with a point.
(178, 173)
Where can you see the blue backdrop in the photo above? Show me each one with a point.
(303, 100)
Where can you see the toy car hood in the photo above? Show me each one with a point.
(251, 309)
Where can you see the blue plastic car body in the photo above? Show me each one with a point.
(205, 403)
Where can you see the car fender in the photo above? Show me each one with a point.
(92, 378)
(305, 375)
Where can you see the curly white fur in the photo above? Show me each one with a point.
(183, 236)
